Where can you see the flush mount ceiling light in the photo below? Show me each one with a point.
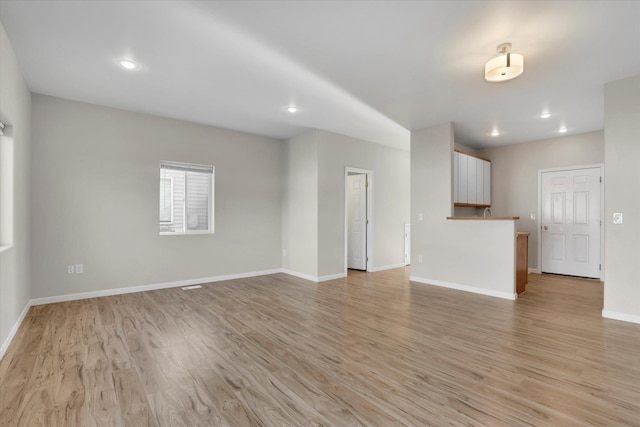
(562, 130)
(127, 64)
(505, 66)
(292, 109)
(545, 115)
(495, 132)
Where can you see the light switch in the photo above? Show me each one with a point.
(617, 218)
(419, 217)
(532, 216)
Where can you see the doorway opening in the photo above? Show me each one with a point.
(358, 219)
(570, 213)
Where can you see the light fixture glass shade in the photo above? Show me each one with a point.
(504, 67)
(128, 64)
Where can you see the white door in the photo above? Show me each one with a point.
(571, 226)
(357, 222)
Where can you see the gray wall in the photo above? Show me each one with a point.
(15, 110)
(472, 255)
(622, 194)
(300, 205)
(514, 175)
(95, 199)
(390, 199)
(313, 211)
(431, 192)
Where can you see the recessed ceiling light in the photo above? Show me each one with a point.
(495, 133)
(127, 64)
(562, 130)
(292, 109)
(545, 115)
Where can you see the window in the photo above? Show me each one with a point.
(186, 198)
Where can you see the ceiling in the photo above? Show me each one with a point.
(374, 70)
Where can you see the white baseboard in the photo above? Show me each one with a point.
(12, 333)
(300, 275)
(625, 317)
(316, 279)
(535, 271)
(388, 267)
(332, 277)
(180, 283)
(466, 288)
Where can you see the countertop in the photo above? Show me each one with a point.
(484, 218)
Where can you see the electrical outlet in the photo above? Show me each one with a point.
(79, 268)
(71, 269)
(532, 216)
(617, 218)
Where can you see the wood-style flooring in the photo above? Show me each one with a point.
(373, 349)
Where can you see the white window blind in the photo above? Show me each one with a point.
(166, 200)
(186, 198)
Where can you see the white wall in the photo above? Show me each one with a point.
(300, 205)
(391, 189)
(466, 149)
(15, 110)
(622, 194)
(477, 256)
(514, 175)
(96, 199)
(313, 211)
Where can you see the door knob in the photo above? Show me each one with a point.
(545, 227)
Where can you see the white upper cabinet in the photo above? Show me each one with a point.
(487, 183)
(480, 181)
(471, 180)
(462, 178)
(455, 176)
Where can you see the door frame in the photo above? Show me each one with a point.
(602, 221)
(369, 173)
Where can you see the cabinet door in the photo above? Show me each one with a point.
(462, 178)
(487, 183)
(480, 181)
(455, 176)
(471, 180)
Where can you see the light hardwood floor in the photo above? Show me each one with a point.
(373, 349)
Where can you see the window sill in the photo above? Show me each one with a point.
(186, 233)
